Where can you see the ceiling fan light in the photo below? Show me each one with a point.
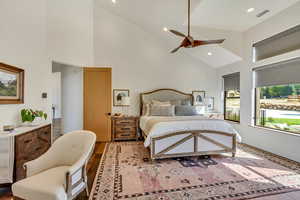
(209, 53)
(166, 29)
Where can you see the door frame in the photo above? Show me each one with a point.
(98, 69)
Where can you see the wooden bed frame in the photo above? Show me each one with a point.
(190, 140)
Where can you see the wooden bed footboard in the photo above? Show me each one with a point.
(192, 143)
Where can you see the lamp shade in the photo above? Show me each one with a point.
(125, 101)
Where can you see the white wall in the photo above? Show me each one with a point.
(70, 31)
(72, 96)
(141, 62)
(23, 44)
(283, 144)
(56, 94)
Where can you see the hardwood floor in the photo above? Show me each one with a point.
(5, 193)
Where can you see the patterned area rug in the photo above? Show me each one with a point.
(126, 172)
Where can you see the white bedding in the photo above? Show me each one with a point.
(183, 123)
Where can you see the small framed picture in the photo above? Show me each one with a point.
(11, 84)
(198, 97)
(120, 97)
(210, 103)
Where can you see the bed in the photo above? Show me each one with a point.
(181, 136)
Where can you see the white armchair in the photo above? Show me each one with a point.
(60, 173)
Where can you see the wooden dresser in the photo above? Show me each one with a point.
(125, 128)
(29, 146)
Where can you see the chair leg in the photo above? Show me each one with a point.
(87, 190)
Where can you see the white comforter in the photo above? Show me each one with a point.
(182, 123)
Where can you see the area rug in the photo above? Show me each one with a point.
(126, 172)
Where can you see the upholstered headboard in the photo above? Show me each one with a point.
(163, 95)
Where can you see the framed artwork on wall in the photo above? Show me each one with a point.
(11, 84)
(121, 97)
(210, 103)
(198, 97)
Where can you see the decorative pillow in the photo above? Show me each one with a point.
(189, 110)
(186, 102)
(176, 102)
(162, 110)
(161, 103)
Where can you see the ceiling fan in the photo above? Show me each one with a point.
(188, 41)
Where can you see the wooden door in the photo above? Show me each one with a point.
(97, 102)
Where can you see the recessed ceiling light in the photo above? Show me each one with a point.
(114, 1)
(166, 29)
(250, 10)
(209, 53)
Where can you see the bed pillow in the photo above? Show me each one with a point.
(176, 102)
(162, 110)
(161, 103)
(189, 110)
(186, 102)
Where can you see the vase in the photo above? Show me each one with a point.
(36, 122)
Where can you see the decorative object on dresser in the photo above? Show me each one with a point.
(125, 128)
(31, 117)
(198, 97)
(121, 97)
(11, 84)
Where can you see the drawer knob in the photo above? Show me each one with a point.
(27, 141)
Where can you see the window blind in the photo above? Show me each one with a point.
(283, 42)
(282, 73)
(232, 82)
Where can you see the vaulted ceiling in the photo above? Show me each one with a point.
(211, 19)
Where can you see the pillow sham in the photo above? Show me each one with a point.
(161, 103)
(162, 110)
(189, 110)
(186, 102)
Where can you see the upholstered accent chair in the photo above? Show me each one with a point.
(60, 173)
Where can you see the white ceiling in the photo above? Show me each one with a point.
(211, 19)
(233, 15)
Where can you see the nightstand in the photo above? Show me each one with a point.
(125, 128)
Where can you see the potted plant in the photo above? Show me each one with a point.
(33, 118)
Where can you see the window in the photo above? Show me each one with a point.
(278, 96)
(283, 42)
(232, 97)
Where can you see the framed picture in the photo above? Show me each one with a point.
(119, 96)
(198, 97)
(11, 84)
(210, 103)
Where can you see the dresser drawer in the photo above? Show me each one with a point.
(120, 129)
(124, 122)
(125, 135)
(45, 135)
(25, 144)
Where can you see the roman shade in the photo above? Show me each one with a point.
(283, 42)
(232, 82)
(282, 73)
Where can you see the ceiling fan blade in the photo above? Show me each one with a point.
(174, 50)
(206, 42)
(191, 39)
(177, 33)
(213, 41)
